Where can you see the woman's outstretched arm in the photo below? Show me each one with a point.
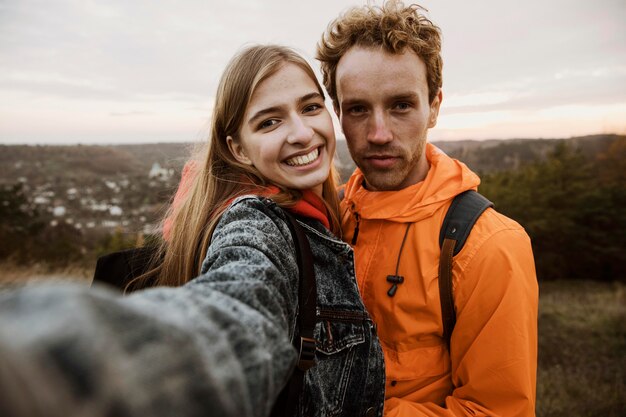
(216, 346)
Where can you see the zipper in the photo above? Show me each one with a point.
(356, 228)
(344, 316)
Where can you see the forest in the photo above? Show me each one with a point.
(572, 206)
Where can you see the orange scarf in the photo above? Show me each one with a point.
(311, 205)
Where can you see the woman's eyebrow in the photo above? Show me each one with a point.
(261, 113)
(309, 96)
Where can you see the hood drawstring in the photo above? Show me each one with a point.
(397, 279)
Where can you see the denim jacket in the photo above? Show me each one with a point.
(220, 345)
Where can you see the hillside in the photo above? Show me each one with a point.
(98, 198)
(502, 155)
(499, 155)
(85, 163)
(80, 162)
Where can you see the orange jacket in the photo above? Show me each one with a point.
(491, 370)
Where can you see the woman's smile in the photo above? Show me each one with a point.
(304, 160)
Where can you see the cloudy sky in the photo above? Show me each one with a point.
(126, 71)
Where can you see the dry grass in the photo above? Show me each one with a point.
(582, 347)
(12, 274)
(582, 341)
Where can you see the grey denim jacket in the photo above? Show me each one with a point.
(218, 346)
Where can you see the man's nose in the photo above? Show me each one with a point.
(300, 132)
(379, 131)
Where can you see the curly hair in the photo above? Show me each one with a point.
(394, 27)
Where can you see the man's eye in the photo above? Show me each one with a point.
(356, 109)
(268, 123)
(403, 106)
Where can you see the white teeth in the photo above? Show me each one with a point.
(303, 159)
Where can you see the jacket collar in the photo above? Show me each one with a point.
(445, 179)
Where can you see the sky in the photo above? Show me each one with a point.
(138, 71)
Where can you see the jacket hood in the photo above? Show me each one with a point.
(446, 178)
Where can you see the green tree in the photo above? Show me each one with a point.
(571, 206)
(19, 222)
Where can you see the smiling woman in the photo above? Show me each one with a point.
(269, 116)
(216, 336)
(287, 132)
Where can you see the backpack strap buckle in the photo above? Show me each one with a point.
(306, 357)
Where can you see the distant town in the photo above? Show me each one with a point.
(109, 203)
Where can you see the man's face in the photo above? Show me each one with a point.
(385, 115)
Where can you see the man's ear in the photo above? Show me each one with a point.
(237, 150)
(434, 109)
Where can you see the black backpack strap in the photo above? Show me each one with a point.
(304, 341)
(465, 209)
(119, 268)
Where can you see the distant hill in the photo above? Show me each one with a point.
(503, 155)
(87, 163)
(497, 154)
(81, 162)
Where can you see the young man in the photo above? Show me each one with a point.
(382, 68)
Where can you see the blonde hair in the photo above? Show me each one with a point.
(219, 177)
(393, 27)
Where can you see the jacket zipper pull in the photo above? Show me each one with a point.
(356, 229)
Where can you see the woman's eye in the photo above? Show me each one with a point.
(312, 107)
(268, 123)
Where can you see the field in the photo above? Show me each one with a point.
(11, 274)
(582, 349)
(582, 342)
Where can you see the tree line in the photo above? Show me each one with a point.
(572, 206)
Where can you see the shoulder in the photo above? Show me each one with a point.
(252, 221)
(253, 209)
(497, 263)
(253, 203)
(492, 223)
(494, 236)
(252, 230)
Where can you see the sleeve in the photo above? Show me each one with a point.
(218, 345)
(494, 342)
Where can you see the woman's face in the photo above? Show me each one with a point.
(287, 132)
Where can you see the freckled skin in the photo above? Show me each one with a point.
(385, 115)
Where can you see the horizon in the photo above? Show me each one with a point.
(145, 72)
(339, 139)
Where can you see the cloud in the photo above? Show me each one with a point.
(131, 113)
(96, 59)
(592, 86)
